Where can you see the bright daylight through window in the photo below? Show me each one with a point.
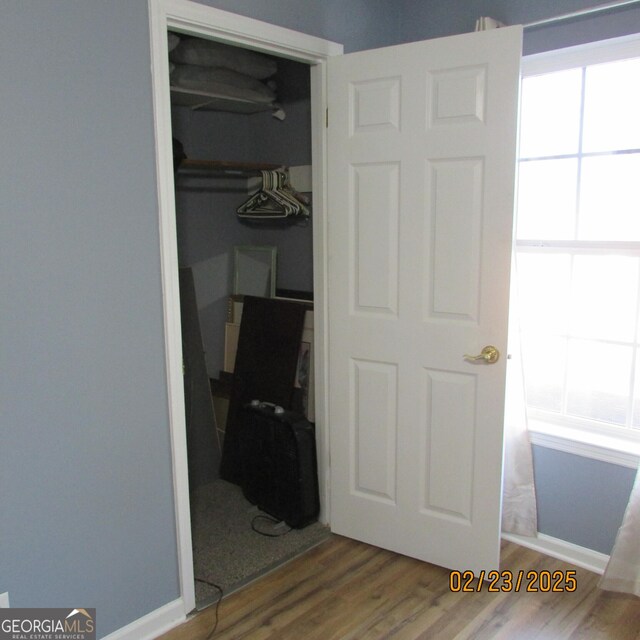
(578, 243)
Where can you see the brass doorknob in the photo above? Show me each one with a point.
(489, 355)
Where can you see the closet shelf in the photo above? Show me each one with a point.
(213, 102)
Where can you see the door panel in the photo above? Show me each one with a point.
(376, 205)
(373, 439)
(450, 400)
(421, 171)
(456, 214)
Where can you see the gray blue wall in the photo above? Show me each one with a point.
(580, 500)
(422, 19)
(357, 24)
(86, 506)
(86, 495)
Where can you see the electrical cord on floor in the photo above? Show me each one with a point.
(219, 588)
(266, 533)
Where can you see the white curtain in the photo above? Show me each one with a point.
(519, 512)
(623, 570)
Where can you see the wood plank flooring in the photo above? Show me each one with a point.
(344, 589)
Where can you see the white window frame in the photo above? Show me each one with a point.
(583, 437)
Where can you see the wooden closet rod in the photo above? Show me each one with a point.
(226, 167)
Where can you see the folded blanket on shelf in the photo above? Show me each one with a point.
(205, 53)
(222, 82)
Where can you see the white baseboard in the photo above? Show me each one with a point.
(153, 624)
(562, 550)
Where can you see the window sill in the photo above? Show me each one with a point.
(596, 446)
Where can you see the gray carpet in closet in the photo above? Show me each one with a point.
(227, 551)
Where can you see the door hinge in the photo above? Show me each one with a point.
(326, 120)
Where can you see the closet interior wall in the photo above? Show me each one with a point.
(207, 224)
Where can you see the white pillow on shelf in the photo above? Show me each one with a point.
(206, 53)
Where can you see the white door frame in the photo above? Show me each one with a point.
(196, 19)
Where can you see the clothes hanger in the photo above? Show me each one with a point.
(264, 203)
(272, 186)
(283, 189)
(274, 200)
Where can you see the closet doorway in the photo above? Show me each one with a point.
(199, 20)
(236, 117)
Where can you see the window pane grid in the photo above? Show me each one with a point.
(608, 247)
(595, 201)
(578, 245)
(634, 383)
(573, 373)
(585, 154)
(578, 186)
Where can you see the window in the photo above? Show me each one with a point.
(578, 239)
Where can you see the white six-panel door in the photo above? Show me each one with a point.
(421, 152)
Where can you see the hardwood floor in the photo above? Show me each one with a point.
(345, 589)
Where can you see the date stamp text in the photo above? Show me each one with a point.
(513, 581)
